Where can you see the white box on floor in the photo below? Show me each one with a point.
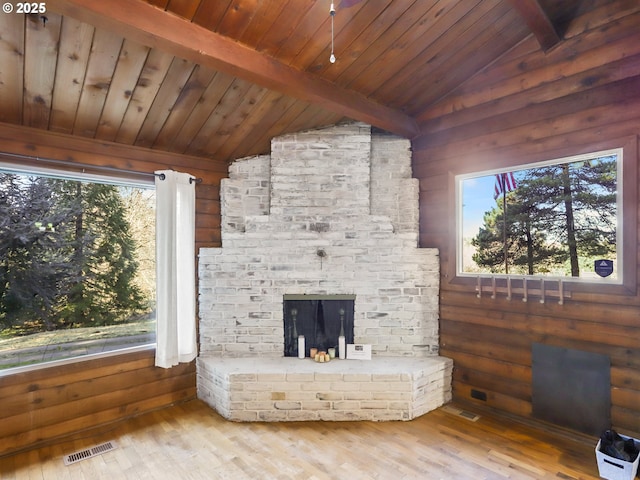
(612, 468)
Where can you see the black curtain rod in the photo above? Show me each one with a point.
(82, 167)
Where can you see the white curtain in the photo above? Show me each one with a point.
(175, 268)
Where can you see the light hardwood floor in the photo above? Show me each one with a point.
(191, 441)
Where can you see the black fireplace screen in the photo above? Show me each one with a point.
(320, 318)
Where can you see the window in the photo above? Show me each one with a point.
(560, 218)
(77, 265)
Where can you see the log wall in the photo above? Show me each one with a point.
(581, 96)
(42, 405)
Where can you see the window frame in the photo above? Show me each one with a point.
(627, 283)
(460, 179)
(85, 175)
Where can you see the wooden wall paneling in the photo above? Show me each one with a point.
(541, 69)
(207, 199)
(206, 238)
(479, 380)
(86, 159)
(512, 317)
(535, 70)
(625, 397)
(498, 400)
(54, 402)
(539, 129)
(625, 420)
(44, 408)
(493, 342)
(606, 14)
(624, 378)
(11, 80)
(47, 434)
(25, 382)
(564, 103)
(39, 69)
(479, 153)
(47, 391)
(119, 390)
(50, 403)
(607, 84)
(76, 39)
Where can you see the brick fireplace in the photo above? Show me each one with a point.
(330, 212)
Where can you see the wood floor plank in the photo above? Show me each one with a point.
(191, 441)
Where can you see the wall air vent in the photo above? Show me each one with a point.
(89, 452)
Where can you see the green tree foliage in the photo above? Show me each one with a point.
(34, 258)
(558, 215)
(67, 257)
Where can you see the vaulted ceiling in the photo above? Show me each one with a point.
(219, 78)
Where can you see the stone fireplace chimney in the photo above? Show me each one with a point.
(330, 212)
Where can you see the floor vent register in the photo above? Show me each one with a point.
(89, 452)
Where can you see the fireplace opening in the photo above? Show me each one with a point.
(321, 319)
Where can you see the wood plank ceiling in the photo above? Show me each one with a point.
(219, 78)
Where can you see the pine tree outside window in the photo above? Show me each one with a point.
(552, 219)
(77, 266)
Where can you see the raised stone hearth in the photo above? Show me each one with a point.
(289, 389)
(330, 212)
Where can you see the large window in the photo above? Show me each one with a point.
(561, 218)
(77, 265)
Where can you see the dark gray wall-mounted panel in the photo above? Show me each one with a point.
(571, 388)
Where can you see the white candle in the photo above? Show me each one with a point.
(342, 348)
(301, 347)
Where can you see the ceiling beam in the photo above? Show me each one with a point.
(141, 22)
(538, 22)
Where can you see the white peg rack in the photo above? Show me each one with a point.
(540, 290)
